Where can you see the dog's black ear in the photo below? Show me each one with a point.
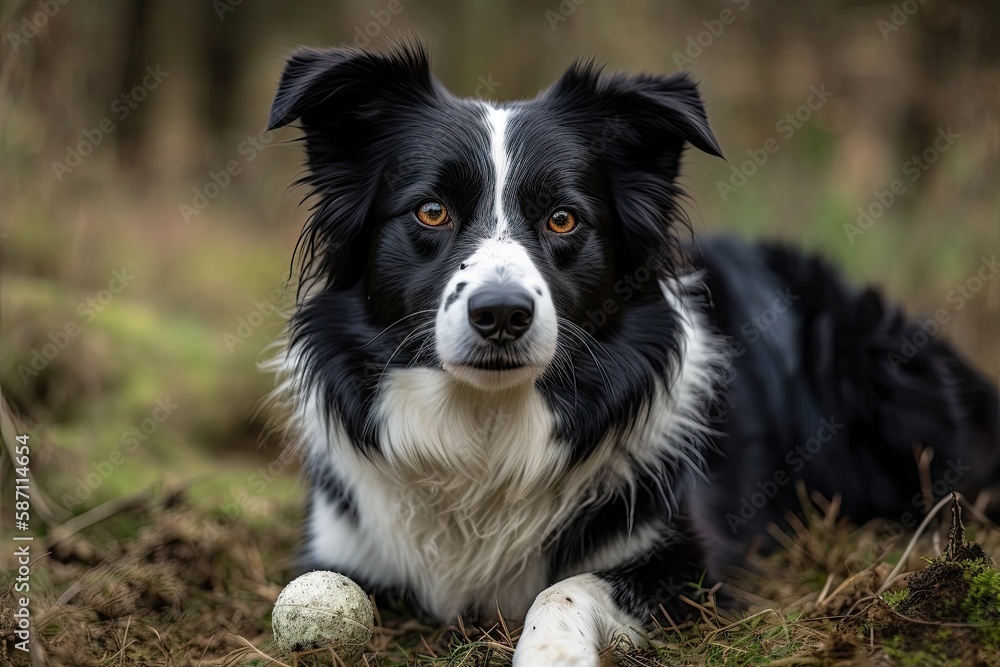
(678, 102)
(663, 111)
(319, 84)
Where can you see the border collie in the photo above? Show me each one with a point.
(515, 388)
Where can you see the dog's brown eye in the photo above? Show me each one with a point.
(433, 214)
(562, 222)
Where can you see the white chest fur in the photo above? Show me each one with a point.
(470, 486)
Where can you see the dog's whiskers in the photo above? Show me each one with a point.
(420, 350)
(572, 328)
(404, 317)
(584, 333)
(564, 358)
(420, 329)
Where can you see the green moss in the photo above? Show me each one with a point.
(919, 658)
(982, 603)
(895, 598)
(949, 612)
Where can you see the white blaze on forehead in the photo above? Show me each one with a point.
(496, 124)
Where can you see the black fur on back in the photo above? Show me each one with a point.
(829, 373)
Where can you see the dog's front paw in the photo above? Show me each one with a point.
(570, 624)
(556, 651)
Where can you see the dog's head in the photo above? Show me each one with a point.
(505, 230)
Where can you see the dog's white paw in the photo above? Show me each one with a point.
(557, 651)
(570, 624)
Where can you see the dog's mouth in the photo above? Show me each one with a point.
(496, 364)
(493, 372)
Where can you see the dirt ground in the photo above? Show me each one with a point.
(159, 582)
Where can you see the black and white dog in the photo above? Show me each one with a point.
(514, 387)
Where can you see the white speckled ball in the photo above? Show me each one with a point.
(323, 609)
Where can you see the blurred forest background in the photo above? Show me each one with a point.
(147, 223)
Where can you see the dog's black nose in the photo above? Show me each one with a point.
(501, 313)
